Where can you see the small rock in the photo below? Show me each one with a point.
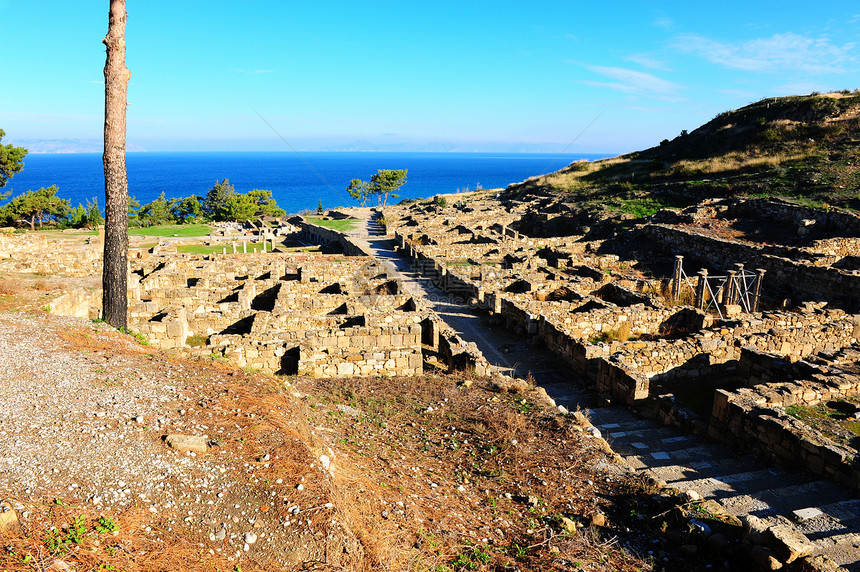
(598, 519)
(692, 496)
(250, 537)
(187, 443)
(594, 431)
(699, 527)
(568, 525)
(300, 487)
(8, 516)
(764, 557)
(688, 549)
(221, 534)
(562, 409)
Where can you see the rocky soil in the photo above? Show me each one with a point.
(441, 473)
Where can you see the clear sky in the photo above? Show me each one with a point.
(465, 75)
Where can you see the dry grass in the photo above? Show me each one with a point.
(45, 543)
(9, 287)
(485, 450)
(663, 289)
(738, 161)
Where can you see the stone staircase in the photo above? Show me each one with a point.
(827, 514)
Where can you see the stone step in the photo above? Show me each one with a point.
(846, 512)
(652, 439)
(616, 425)
(842, 549)
(733, 484)
(783, 500)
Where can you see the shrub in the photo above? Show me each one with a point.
(440, 201)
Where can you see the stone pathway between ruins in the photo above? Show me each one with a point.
(826, 513)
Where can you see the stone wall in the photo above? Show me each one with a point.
(785, 277)
(322, 235)
(703, 354)
(751, 419)
(845, 223)
(26, 252)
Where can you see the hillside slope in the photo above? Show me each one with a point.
(799, 147)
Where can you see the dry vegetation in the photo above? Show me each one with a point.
(801, 147)
(442, 473)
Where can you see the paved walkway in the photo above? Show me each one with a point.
(828, 514)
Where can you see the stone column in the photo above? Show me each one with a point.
(244, 247)
(756, 297)
(234, 246)
(701, 287)
(731, 291)
(676, 277)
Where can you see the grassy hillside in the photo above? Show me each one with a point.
(800, 147)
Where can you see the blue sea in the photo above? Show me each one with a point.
(298, 182)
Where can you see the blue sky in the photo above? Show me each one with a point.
(466, 76)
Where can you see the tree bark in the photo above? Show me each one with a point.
(115, 270)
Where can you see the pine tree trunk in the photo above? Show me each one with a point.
(115, 273)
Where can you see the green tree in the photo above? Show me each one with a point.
(187, 210)
(385, 182)
(35, 207)
(158, 211)
(133, 207)
(359, 190)
(239, 208)
(11, 161)
(215, 201)
(77, 218)
(84, 216)
(266, 205)
(94, 214)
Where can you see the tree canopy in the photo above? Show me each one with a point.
(11, 160)
(34, 207)
(383, 184)
(221, 203)
(215, 202)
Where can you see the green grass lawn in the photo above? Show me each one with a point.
(338, 225)
(184, 230)
(202, 249)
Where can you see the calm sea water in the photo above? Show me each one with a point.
(296, 184)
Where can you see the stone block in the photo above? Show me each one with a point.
(788, 543)
(183, 443)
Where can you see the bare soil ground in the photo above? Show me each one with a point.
(439, 473)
